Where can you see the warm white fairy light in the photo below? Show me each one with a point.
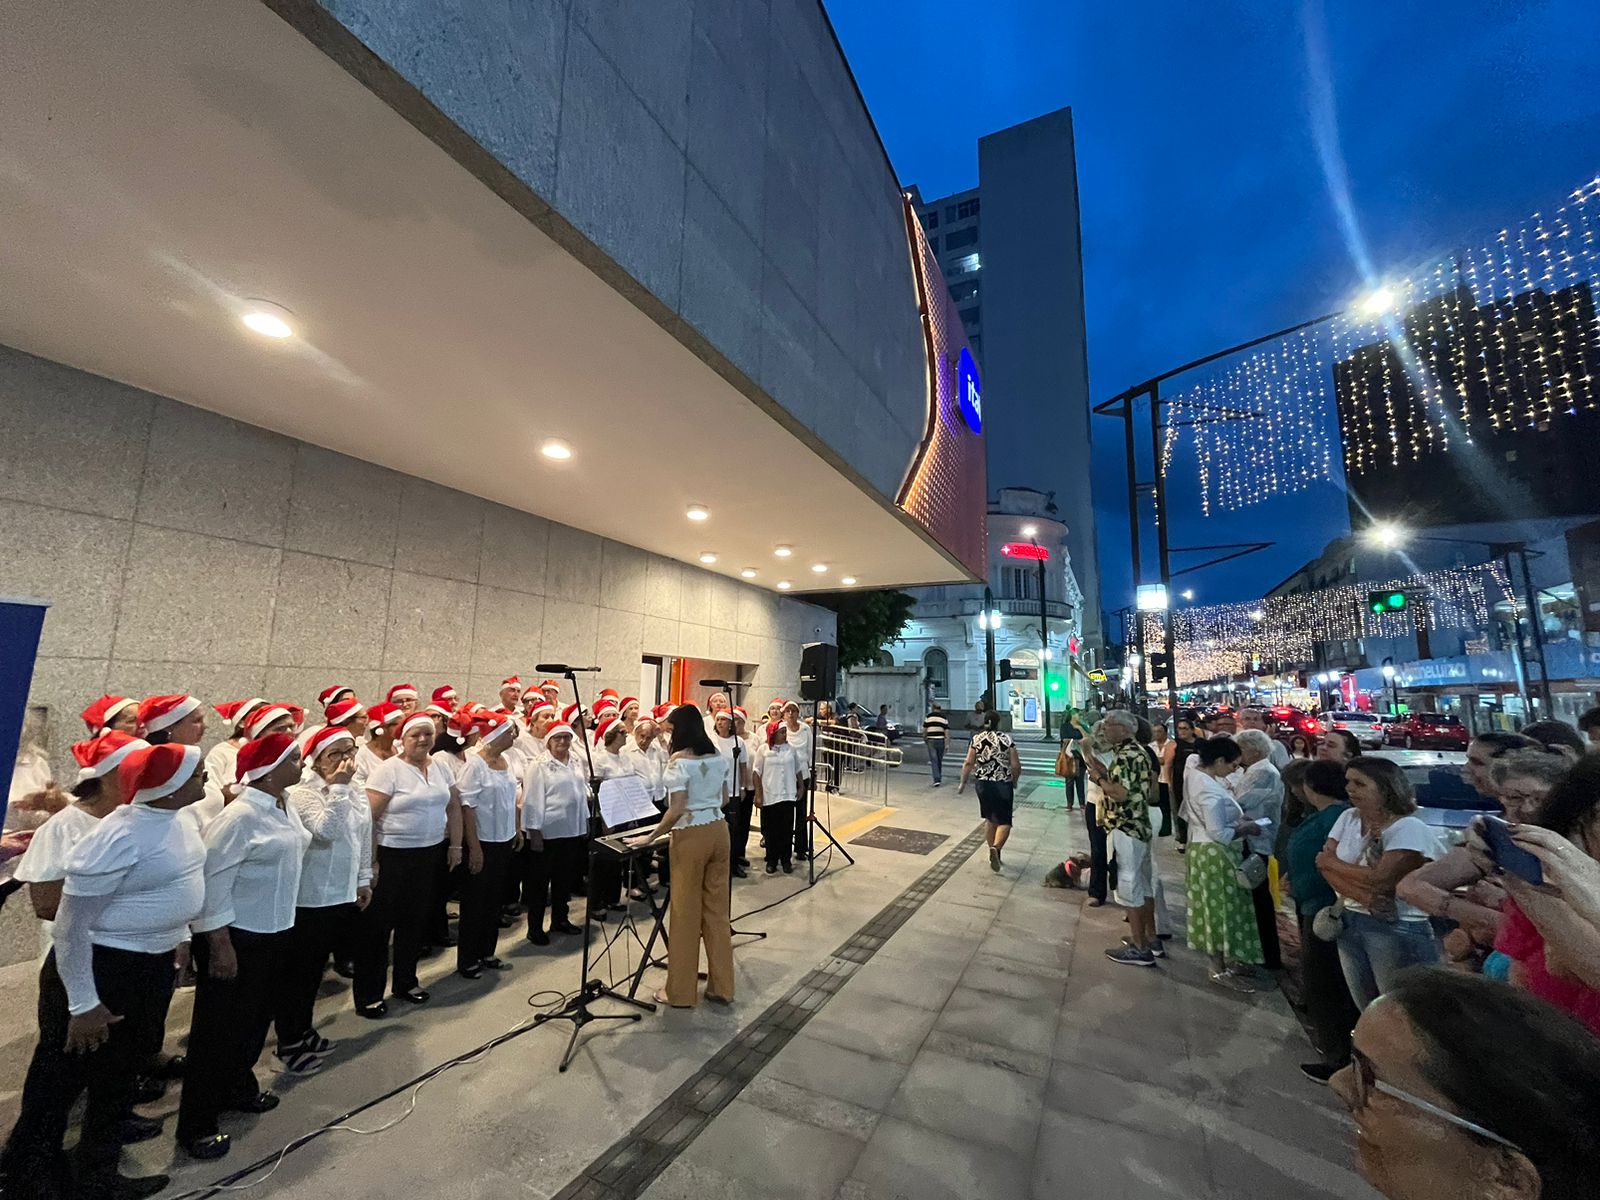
(1498, 337)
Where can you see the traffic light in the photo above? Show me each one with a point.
(1005, 668)
(1379, 603)
(1054, 683)
(1161, 667)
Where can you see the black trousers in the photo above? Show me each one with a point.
(1164, 803)
(402, 904)
(802, 820)
(138, 988)
(317, 933)
(229, 1028)
(554, 874)
(1267, 926)
(1097, 854)
(1180, 827)
(481, 896)
(1328, 1005)
(739, 815)
(777, 826)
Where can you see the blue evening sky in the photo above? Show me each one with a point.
(1208, 215)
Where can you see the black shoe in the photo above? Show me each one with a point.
(344, 970)
(506, 922)
(147, 1089)
(134, 1187)
(495, 963)
(373, 1011)
(772, 868)
(788, 867)
(538, 937)
(472, 972)
(1097, 904)
(740, 872)
(261, 1102)
(414, 995)
(212, 1146)
(512, 910)
(137, 1129)
(173, 1068)
(1318, 1072)
(566, 927)
(598, 916)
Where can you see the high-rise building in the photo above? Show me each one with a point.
(1012, 255)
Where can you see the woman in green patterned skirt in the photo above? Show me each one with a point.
(1222, 921)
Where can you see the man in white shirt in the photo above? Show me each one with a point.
(132, 886)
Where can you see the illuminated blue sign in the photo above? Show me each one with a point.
(969, 396)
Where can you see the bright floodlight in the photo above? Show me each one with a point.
(1030, 531)
(1388, 670)
(1187, 593)
(1386, 534)
(1377, 302)
(1150, 597)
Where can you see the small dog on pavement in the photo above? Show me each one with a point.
(1072, 873)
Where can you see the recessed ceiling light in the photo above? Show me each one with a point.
(784, 585)
(697, 512)
(848, 581)
(782, 551)
(749, 573)
(819, 568)
(707, 557)
(267, 319)
(555, 448)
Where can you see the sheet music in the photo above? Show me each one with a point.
(624, 799)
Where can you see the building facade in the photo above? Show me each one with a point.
(401, 343)
(947, 637)
(1012, 255)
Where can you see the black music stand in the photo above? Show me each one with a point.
(576, 1007)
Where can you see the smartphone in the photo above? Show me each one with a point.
(1509, 856)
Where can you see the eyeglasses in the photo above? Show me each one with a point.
(1367, 1082)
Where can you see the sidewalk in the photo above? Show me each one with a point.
(990, 1050)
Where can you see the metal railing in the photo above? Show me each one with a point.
(856, 763)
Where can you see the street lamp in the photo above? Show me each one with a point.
(1187, 593)
(1394, 689)
(989, 621)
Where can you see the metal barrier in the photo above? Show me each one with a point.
(856, 763)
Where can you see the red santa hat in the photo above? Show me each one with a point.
(493, 725)
(158, 712)
(772, 731)
(326, 738)
(236, 712)
(263, 755)
(416, 721)
(439, 710)
(722, 714)
(100, 756)
(548, 684)
(568, 713)
(256, 723)
(329, 694)
(155, 772)
(559, 729)
(445, 696)
(342, 711)
(401, 691)
(606, 706)
(612, 692)
(383, 713)
(462, 723)
(660, 711)
(99, 714)
(739, 712)
(627, 700)
(512, 681)
(604, 728)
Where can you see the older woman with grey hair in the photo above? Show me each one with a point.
(1261, 799)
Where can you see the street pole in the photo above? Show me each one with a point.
(1044, 657)
(1163, 551)
(988, 646)
(1535, 633)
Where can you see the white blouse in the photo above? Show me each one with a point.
(45, 859)
(152, 866)
(254, 852)
(367, 761)
(779, 770)
(417, 815)
(1213, 812)
(222, 763)
(800, 739)
(649, 765)
(705, 780)
(339, 859)
(492, 796)
(555, 798)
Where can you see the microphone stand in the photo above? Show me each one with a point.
(576, 1008)
(811, 815)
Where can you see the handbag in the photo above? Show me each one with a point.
(1251, 873)
(1066, 763)
(1328, 924)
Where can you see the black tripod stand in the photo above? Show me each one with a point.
(576, 1007)
(812, 820)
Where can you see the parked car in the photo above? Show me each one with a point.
(1445, 800)
(1299, 721)
(867, 717)
(1367, 728)
(1416, 730)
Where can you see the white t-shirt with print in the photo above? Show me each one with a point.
(1406, 833)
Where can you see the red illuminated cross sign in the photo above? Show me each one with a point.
(1025, 550)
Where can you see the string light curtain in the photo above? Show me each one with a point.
(1493, 338)
(1222, 640)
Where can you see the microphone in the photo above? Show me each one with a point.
(718, 683)
(561, 669)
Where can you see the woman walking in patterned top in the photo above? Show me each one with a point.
(993, 761)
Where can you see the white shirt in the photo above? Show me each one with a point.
(152, 866)
(492, 797)
(45, 859)
(367, 761)
(456, 766)
(1405, 833)
(1213, 812)
(30, 774)
(417, 815)
(339, 859)
(779, 770)
(254, 852)
(206, 809)
(732, 749)
(222, 764)
(610, 766)
(800, 738)
(648, 764)
(555, 798)
(706, 782)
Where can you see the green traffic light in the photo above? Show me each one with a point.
(1397, 600)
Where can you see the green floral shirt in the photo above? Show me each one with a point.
(1130, 768)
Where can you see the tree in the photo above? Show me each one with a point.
(868, 621)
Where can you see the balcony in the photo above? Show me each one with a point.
(970, 606)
